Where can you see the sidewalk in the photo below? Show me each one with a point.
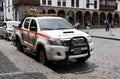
(101, 33)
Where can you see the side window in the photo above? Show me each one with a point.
(33, 25)
(26, 24)
(3, 24)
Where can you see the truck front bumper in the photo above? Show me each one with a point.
(57, 53)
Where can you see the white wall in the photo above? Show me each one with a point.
(118, 5)
(9, 14)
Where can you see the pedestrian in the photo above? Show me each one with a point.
(111, 28)
(77, 25)
(88, 26)
(107, 26)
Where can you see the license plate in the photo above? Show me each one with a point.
(76, 50)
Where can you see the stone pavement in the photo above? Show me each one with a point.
(113, 34)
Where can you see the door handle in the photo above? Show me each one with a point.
(28, 33)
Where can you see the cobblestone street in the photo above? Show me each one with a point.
(104, 64)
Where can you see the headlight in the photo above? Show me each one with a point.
(89, 39)
(10, 30)
(55, 42)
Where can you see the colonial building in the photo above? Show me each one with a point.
(94, 11)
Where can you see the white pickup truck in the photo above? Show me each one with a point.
(53, 39)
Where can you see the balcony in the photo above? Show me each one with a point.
(26, 2)
(108, 7)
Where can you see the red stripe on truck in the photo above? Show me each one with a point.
(39, 34)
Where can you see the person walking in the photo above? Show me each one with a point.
(111, 28)
(88, 26)
(107, 26)
(77, 25)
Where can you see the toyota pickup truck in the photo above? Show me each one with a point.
(53, 39)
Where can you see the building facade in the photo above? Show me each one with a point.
(94, 11)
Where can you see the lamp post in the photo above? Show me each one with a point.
(4, 8)
(1, 13)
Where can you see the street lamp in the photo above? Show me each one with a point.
(1, 13)
(4, 8)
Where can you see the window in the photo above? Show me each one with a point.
(64, 2)
(72, 3)
(44, 2)
(8, 5)
(33, 25)
(108, 2)
(87, 4)
(95, 4)
(77, 3)
(49, 2)
(59, 2)
(27, 21)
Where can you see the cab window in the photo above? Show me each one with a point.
(33, 26)
(4, 24)
(26, 24)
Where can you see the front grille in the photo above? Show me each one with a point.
(66, 43)
(76, 43)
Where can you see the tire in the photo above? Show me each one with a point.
(42, 57)
(82, 60)
(2, 37)
(19, 46)
(7, 37)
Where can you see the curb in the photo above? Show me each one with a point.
(117, 39)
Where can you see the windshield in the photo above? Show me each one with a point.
(13, 24)
(54, 24)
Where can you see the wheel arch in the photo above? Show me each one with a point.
(40, 46)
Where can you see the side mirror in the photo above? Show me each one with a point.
(33, 28)
(5, 26)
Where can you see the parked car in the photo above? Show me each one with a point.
(7, 29)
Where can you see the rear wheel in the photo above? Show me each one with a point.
(19, 46)
(7, 36)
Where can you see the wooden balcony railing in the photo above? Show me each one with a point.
(108, 7)
(26, 2)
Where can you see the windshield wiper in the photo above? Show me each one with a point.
(61, 28)
(47, 29)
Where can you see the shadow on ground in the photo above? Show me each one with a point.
(71, 66)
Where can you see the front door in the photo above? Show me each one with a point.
(33, 33)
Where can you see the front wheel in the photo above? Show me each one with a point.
(42, 57)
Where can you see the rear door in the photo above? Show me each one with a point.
(25, 29)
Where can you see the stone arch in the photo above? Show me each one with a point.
(95, 18)
(87, 17)
(44, 11)
(102, 18)
(109, 17)
(61, 13)
(79, 17)
(51, 11)
(116, 19)
(70, 16)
